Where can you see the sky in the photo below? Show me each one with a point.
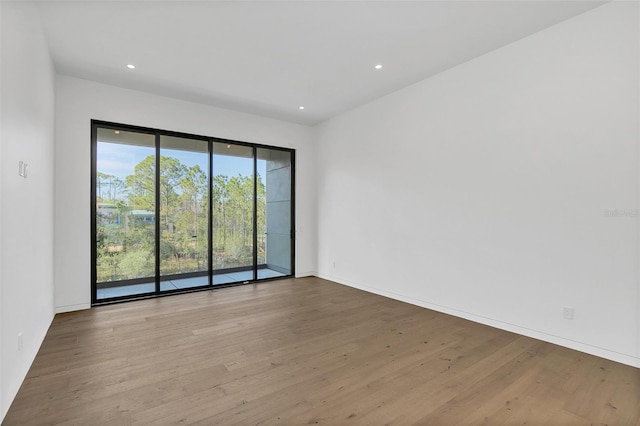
(120, 160)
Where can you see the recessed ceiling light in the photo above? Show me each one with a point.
(117, 132)
(228, 146)
(131, 66)
(300, 107)
(378, 67)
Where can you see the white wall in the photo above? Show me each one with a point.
(79, 101)
(2, 404)
(26, 259)
(483, 191)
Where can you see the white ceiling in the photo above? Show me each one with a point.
(268, 58)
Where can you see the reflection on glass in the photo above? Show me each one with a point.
(232, 199)
(125, 213)
(274, 213)
(184, 213)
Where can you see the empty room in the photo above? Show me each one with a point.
(319, 212)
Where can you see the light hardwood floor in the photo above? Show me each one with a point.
(308, 351)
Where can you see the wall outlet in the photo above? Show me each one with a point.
(19, 341)
(567, 312)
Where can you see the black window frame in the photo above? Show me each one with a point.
(158, 133)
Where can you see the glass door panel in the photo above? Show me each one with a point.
(175, 212)
(232, 188)
(184, 213)
(274, 213)
(125, 213)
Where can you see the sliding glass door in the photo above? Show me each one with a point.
(125, 229)
(175, 212)
(184, 213)
(274, 168)
(232, 190)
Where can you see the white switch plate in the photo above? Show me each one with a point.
(22, 169)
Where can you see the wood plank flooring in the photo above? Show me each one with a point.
(309, 351)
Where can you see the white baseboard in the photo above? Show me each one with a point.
(306, 274)
(71, 308)
(561, 341)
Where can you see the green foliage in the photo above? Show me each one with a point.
(125, 235)
(109, 187)
(138, 262)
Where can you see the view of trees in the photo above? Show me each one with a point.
(125, 222)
